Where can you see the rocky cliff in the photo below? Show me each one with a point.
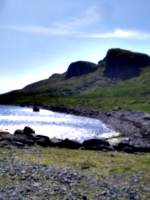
(118, 63)
(80, 68)
(124, 64)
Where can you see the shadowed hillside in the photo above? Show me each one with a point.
(124, 64)
(80, 68)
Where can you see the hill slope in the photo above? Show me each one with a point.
(121, 73)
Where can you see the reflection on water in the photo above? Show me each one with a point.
(52, 124)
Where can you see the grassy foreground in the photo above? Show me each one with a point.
(120, 170)
(103, 163)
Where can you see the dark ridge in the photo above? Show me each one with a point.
(124, 64)
(80, 68)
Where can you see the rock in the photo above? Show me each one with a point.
(117, 108)
(4, 143)
(92, 144)
(126, 147)
(103, 148)
(22, 105)
(22, 138)
(146, 118)
(18, 132)
(3, 131)
(108, 114)
(144, 149)
(28, 131)
(43, 141)
(36, 109)
(124, 64)
(84, 198)
(70, 144)
(56, 142)
(18, 144)
(80, 68)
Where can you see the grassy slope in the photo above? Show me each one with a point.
(91, 90)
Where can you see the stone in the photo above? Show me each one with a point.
(43, 140)
(93, 143)
(28, 131)
(36, 109)
(126, 147)
(70, 144)
(3, 131)
(146, 118)
(56, 142)
(103, 148)
(18, 132)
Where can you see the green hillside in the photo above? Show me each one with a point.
(91, 89)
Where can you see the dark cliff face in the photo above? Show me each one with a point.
(124, 64)
(80, 68)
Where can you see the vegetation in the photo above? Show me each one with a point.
(99, 172)
(91, 90)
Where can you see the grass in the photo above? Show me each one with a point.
(98, 166)
(99, 162)
(91, 90)
(100, 103)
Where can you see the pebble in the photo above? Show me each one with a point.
(40, 182)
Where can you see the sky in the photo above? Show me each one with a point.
(42, 37)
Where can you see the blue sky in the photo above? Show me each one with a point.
(42, 37)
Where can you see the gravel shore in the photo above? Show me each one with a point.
(132, 124)
(34, 181)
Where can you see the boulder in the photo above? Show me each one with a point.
(36, 109)
(56, 142)
(3, 131)
(29, 132)
(16, 139)
(43, 141)
(80, 68)
(124, 64)
(103, 148)
(144, 149)
(126, 147)
(70, 144)
(92, 144)
(18, 132)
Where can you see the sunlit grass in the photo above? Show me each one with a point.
(100, 162)
(108, 167)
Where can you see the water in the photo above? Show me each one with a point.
(52, 124)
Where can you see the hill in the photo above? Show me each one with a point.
(121, 74)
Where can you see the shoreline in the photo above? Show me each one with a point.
(134, 125)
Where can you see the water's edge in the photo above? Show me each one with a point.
(55, 124)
